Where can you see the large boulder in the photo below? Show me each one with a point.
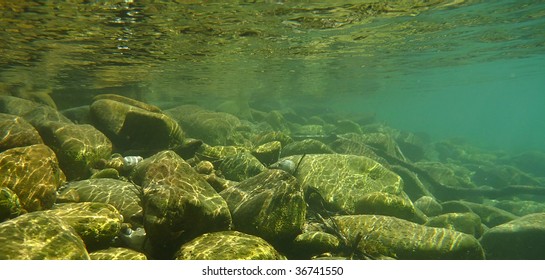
(270, 205)
(520, 239)
(40, 236)
(377, 235)
(16, 132)
(33, 174)
(78, 147)
(228, 245)
(129, 126)
(124, 196)
(117, 253)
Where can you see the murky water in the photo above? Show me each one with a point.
(469, 69)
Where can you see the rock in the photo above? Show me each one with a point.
(313, 243)
(271, 136)
(178, 203)
(10, 207)
(117, 254)
(401, 239)
(347, 126)
(79, 115)
(269, 205)
(277, 122)
(532, 162)
(348, 146)
(429, 206)
(228, 245)
(43, 114)
(307, 146)
(342, 180)
(240, 166)
(16, 106)
(16, 132)
(40, 236)
(518, 207)
(389, 205)
(268, 153)
(96, 223)
(501, 175)
(469, 223)
(520, 239)
(490, 216)
(78, 147)
(128, 101)
(124, 196)
(33, 174)
(129, 126)
(448, 174)
(214, 128)
(216, 154)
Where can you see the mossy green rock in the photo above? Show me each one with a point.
(33, 174)
(468, 222)
(16, 106)
(129, 126)
(343, 180)
(270, 205)
(178, 202)
(78, 147)
(389, 205)
(490, 215)
(124, 196)
(313, 243)
(401, 239)
(307, 146)
(10, 207)
(240, 166)
(16, 132)
(228, 245)
(117, 254)
(216, 154)
(43, 114)
(520, 239)
(214, 128)
(40, 236)
(96, 223)
(268, 153)
(429, 205)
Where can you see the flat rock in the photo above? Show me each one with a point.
(377, 235)
(33, 173)
(520, 239)
(40, 236)
(228, 245)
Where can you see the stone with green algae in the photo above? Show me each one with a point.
(268, 153)
(376, 235)
(307, 146)
(269, 205)
(314, 243)
(123, 195)
(468, 222)
(240, 166)
(17, 132)
(10, 207)
(40, 236)
(96, 223)
(381, 203)
(78, 147)
(228, 245)
(117, 253)
(33, 174)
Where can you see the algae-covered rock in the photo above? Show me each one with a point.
(448, 174)
(178, 202)
(117, 254)
(520, 239)
(429, 205)
(129, 126)
(490, 216)
(128, 101)
(313, 243)
(214, 128)
(16, 132)
(78, 147)
(16, 106)
(124, 196)
(342, 180)
(40, 236)
(240, 166)
(215, 154)
(389, 205)
(307, 146)
(228, 245)
(33, 174)
(518, 207)
(271, 136)
(401, 239)
(96, 223)
(468, 222)
(268, 153)
(349, 146)
(270, 205)
(43, 114)
(10, 207)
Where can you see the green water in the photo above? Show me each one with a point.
(464, 69)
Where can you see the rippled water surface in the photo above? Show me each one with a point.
(469, 69)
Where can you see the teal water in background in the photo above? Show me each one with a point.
(462, 69)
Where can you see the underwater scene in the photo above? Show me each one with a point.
(272, 130)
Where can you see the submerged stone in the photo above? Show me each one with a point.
(117, 254)
(270, 205)
(468, 222)
(40, 236)
(10, 207)
(268, 153)
(429, 205)
(16, 132)
(313, 243)
(240, 166)
(124, 196)
(33, 174)
(520, 239)
(389, 205)
(228, 245)
(377, 235)
(307, 146)
(96, 223)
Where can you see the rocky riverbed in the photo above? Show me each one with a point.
(123, 179)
